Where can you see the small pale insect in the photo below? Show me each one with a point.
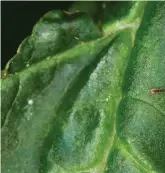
(156, 90)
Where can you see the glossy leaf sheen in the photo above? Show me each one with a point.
(87, 107)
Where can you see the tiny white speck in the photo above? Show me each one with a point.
(30, 102)
(27, 65)
(106, 99)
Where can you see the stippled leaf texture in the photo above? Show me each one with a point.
(77, 99)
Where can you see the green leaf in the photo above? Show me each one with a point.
(55, 32)
(42, 87)
(141, 115)
(87, 106)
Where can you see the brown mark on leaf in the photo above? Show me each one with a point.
(156, 90)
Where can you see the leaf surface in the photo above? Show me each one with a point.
(88, 107)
